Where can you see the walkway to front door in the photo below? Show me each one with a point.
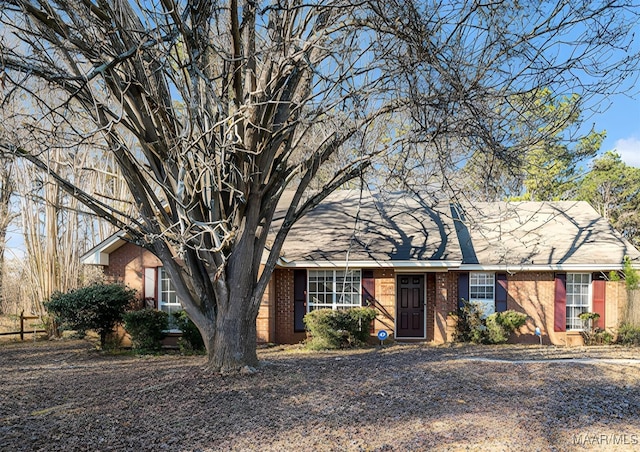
(410, 311)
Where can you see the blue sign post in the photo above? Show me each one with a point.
(539, 334)
(382, 335)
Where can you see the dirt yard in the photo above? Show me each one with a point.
(67, 396)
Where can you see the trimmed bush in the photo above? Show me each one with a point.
(469, 327)
(628, 335)
(500, 325)
(495, 329)
(331, 329)
(147, 328)
(191, 340)
(99, 307)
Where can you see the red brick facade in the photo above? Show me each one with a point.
(284, 308)
(127, 263)
(531, 293)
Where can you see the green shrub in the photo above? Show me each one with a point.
(331, 329)
(98, 307)
(607, 338)
(629, 335)
(469, 327)
(147, 328)
(500, 325)
(191, 340)
(495, 329)
(591, 334)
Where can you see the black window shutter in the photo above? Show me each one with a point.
(299, 299)
(463, 287)
(501, 292)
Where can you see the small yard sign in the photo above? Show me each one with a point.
(382, 335)
(539, 334)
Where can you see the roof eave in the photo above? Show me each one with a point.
(512, 268)
(436, 265)
(99, 254)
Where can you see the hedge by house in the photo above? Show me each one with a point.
(147, 328)
(98, 307)
(331, 329)
(494, 329)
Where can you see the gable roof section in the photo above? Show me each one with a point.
(99, 254)
(563, 235)
(350, 229)
(373, 230)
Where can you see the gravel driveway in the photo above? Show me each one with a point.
(67, 396)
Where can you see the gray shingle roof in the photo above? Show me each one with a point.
(538, 233)
(396, 228)
(393, 227)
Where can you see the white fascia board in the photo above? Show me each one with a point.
(442, 265)
(95, 258)
(541, 268)
(99, 255)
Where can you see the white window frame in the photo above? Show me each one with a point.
(166, 289)
(578, 293)
(334, 289)
(484, 281)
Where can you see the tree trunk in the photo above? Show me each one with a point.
(225, 318)
(233, 347)
(6, 190)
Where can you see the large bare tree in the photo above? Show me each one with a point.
(213, 109)
(7, 188)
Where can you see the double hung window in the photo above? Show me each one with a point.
(578, 299)
(167, 298)
(334, 289)
(482, 291)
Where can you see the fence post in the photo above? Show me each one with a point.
(22, 325)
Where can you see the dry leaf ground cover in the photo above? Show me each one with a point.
(67, 396)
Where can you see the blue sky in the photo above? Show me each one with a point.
(621, 119)
(622, 123)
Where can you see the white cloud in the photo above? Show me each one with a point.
(629, 150)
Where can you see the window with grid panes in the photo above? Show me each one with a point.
(482, 291)
(334, 289)
(578, 298)
(167, 299)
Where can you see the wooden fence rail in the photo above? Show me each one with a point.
(22, 330)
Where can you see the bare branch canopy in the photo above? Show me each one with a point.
(214, 109)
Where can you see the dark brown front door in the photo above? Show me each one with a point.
(410, 306)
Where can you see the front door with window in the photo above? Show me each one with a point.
(410, 311)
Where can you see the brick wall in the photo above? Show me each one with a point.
(431, 305)
(284, 333)
(385, 285)
(446, 300)
(616, 299)
(265, 323)
(528, 292)
(533, 293)
(127, 263)
(441, 299)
